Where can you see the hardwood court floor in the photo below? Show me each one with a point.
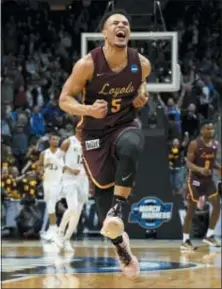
(28, 265)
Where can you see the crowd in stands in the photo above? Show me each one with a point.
(39, 48)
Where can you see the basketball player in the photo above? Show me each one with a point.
(75, 189)
(201, 161)
(113, 81)
(52, 174)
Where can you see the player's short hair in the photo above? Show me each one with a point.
(53, 135)
(110, 13)
(205, 122)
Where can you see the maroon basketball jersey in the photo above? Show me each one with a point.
(205, 156)
(117, 88)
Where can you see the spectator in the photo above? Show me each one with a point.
(37, 123)
(19, 144)
(176, 163)
(20, 99)
(52, 113)
(14, 172)
(204, 99)
(7, 90)
(6, 132)
(8, 160)
(172, 109)
(173, 130)
(190, 121)
(9, 184)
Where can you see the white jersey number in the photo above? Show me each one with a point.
(51, 167)
(79, 159)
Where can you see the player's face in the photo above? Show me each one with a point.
(117, 31)
(208, 130)
(54, 141)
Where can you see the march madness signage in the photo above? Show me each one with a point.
(151, 213)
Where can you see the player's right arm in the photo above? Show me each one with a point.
(191, 154)
(82, 73)
(61, 153)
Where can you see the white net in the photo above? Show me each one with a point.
(149, 44)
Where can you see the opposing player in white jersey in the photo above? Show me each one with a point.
(75, 189)
(52, 174)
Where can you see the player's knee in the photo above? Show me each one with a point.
(130, 145)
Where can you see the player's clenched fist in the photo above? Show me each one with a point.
(142, 97)
(98, 109)
(140, 101)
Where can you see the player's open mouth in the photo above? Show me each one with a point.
(121, 35)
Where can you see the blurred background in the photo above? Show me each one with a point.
(41, 42)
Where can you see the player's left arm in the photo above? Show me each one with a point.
(143, 95)
(218, 166)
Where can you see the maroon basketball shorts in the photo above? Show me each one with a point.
(99, 156)
(200, 187)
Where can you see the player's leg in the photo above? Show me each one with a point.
(67, 190)
(214, 199)
(50, 205)
(76, 207)
(72, 226)
(103, 199)
(128, 148)
(70, 194)
(82, 188)
(70, 217)
(192, 199)
(128, 263)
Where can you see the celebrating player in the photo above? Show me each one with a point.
(112, 79)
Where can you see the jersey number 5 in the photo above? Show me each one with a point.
(116, 105)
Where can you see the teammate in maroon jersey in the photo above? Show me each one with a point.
(201, 161)
(112, 79)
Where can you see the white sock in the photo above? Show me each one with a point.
(186, 237)
(210, 233)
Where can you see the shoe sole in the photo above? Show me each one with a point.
(211, 244)
(113, 227)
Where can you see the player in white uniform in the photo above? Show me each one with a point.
(52, 175)
(75, 189)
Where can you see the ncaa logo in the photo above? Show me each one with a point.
(151, 213)
(134, 68)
